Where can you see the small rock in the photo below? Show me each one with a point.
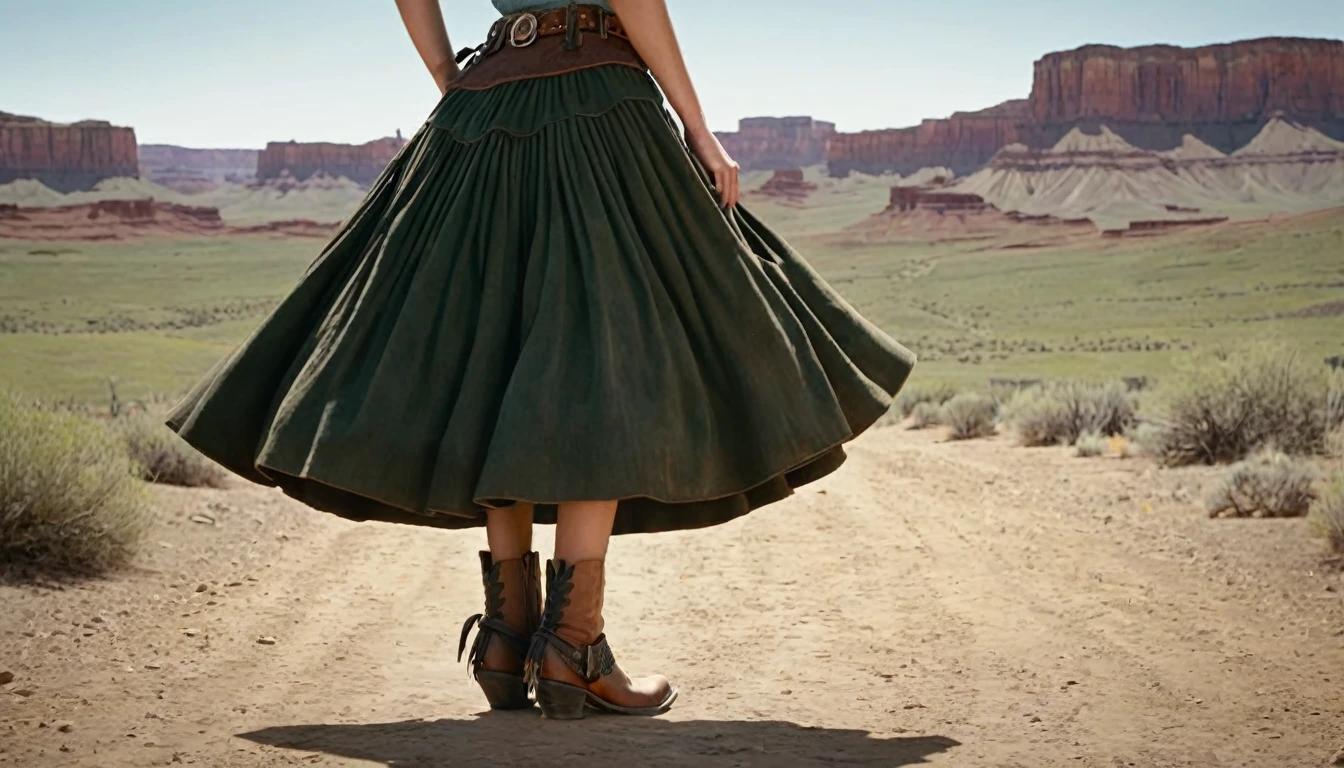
(202, 587)
(786, 692)
(153, 665)
(234, 584)
(65, 726)
(1035, 719)
(6, 677)
(191, 632)
(25, 692)
(265, 641)
(64, 748)
(203, 519)
(1338, 759)
(97, 620)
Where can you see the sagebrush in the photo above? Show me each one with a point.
(970, 415)
(70, 499)
(925, 415)
(912, 397)
(1327, 514)
(1061, 412)
(1268, 398)
(164, 457)
(1091, 444)
(1270, 484)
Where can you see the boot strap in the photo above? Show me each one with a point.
(487, 627)
(590, 662)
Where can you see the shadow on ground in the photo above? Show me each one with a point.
(524, 738)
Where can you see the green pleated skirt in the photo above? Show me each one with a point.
(541, 300)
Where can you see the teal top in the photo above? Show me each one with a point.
(514, 6)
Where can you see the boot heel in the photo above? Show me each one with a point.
(503, 691)
(560, 701)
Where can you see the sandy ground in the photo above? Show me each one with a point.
(951, 604)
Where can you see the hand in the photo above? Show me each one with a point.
(706, 147)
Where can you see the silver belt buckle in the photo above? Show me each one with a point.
(523, 30)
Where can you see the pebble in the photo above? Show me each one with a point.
(265, 641)
(202, 587)
(153, 665)
(6, 677)
(203, 519)
(25, 692)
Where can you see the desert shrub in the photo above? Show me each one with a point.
(1061, 412)
(1270, 484)
(164, 457)
(1334, 444)
(1091, 444)
(1327, 513)
(970, 415)
(925, 415)
(1242, 403)
(1332, 410)
(69, 497)
(911, 397)
(1145, 438)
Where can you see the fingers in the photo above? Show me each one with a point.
(726, 181)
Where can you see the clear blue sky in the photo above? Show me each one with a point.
(211, 73)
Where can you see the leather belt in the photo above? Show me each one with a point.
(537, 44)
(519, 30)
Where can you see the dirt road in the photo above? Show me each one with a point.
(951, 604)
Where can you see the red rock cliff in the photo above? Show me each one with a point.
(963, 142)
(774, 143)
(1152, 96)
(1223, 94)
(360, 163)
(65, 157)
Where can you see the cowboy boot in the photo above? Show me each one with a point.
(569, 663)
(512, 613)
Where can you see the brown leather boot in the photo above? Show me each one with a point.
(512, 614)
(570, 664)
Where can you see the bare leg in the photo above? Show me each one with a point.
(582, 530)
(509, 531)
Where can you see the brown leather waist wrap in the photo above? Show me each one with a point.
(551, 43)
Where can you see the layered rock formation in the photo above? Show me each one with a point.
(107, 220)
(360, 163)
(774, 143)
(1286, 166)
(129, 219)
(935, 213)
(1153, 97)
(962, 143)
(787, 185)
(65, 158)
(195, 170)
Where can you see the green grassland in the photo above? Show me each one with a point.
(156, 313)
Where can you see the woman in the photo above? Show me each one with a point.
(546, 310)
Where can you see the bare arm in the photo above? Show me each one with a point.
(650, 30)
(424, 22)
